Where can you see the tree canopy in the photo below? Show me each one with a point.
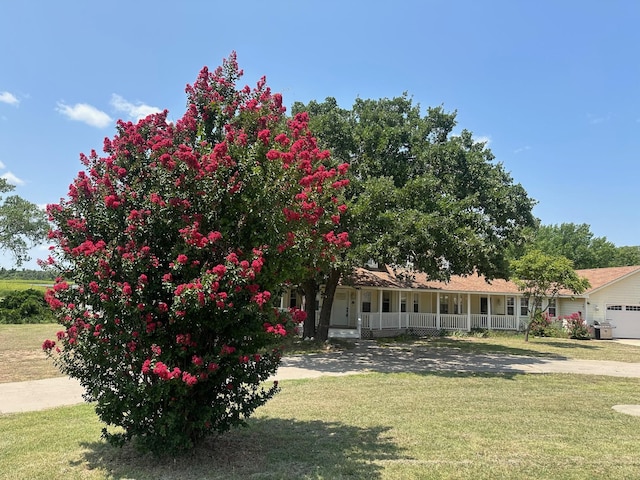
(578, 243)
(418, 192)
(22, 224)
(540, 276)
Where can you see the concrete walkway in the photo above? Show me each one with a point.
(366, 357)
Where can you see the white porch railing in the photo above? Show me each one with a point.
(453, 322)
(422, 320)
(498, 322)
(395, 320)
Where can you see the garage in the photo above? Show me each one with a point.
(625, 319)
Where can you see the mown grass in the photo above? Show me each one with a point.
(376, 426)
(21, 356)
(514, 344)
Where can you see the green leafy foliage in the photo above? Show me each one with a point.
(177, 242)
(25, 306)
(22, 224)
(543, 325)
(540, 276)
(581, 246)
(575, 326)
(419, 193)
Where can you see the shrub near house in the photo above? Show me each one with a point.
(576, 326)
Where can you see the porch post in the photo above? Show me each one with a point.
(438, 310)
(358, 305)
(380, 309)
(468, 312)
(488, 312)
(399, 309)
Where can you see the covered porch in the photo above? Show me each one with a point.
(421, 312)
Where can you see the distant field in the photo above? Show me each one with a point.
(12, 285)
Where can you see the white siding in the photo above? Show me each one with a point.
(567, 306)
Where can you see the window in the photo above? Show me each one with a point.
(403, 302)
(366, 301)
(457, 305)
(511, 306)
(538, 306)
(551, 310)
(386, 301)
(614, 307)
(444, 304)
(632, 308)
(524, 307)
(416, 304)
(484, 305)
(293, 299)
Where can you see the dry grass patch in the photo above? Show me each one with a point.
(21, 355)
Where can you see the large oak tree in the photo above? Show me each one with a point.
(419, 193)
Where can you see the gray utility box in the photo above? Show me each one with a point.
(604, 331)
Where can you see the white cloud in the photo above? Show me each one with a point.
(135, 111)
(522, 149)
(12, 179)
(83, 112)
(483, 139)
(2, 165)
(594, 119)
(6, 97)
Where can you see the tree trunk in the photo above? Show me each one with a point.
(527, 329)
(327, 304)
(310, 289)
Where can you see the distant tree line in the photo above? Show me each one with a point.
(577, 243)
(25, 274)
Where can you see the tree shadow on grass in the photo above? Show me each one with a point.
(582, 344)
(268, 448)
(464, 345)
(370, 357)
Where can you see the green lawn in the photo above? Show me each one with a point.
(21, 356)
(376, 426)
(513, 344)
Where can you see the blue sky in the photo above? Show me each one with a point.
(552, 85)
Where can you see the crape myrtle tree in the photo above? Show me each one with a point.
(22, 224)
(541, 277)
(171, 250)
(418, 193)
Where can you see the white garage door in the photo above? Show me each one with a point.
(625, 319)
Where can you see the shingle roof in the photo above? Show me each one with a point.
(601, 277)
(405, 279)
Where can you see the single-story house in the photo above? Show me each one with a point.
(384, 302)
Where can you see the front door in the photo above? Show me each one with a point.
(340, 310)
